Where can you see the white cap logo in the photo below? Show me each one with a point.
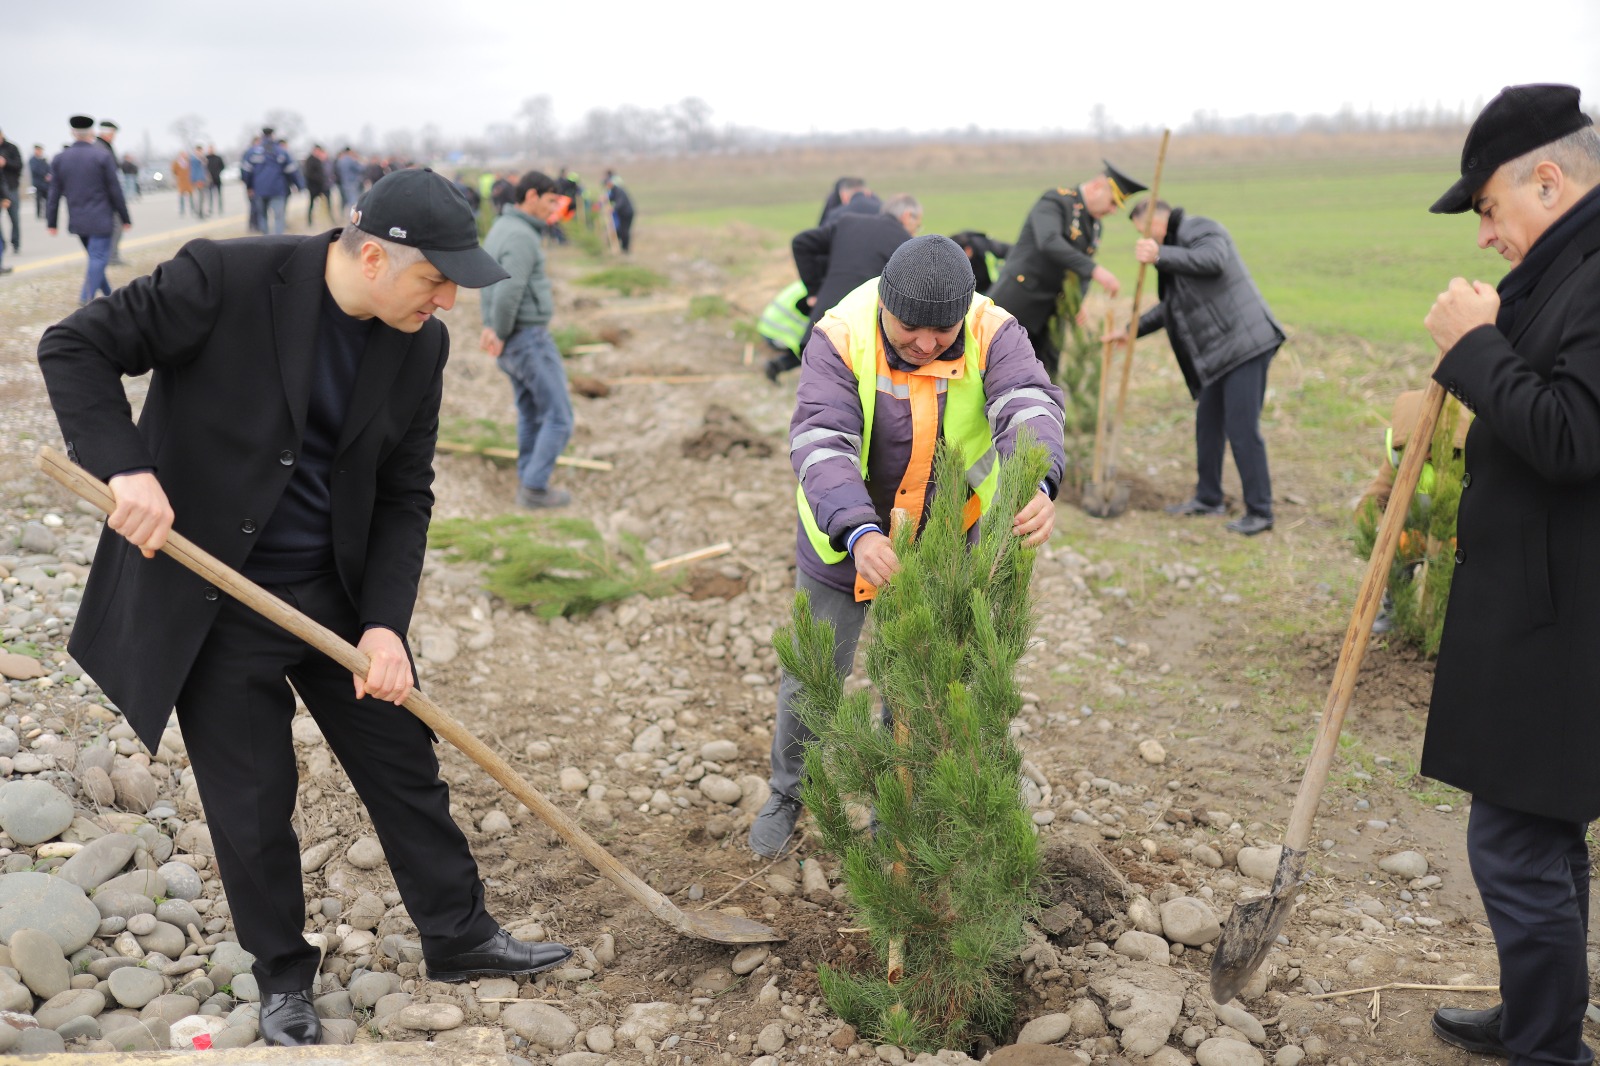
(397, 232)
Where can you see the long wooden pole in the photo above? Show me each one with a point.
(1133, 323)
(1097, 470)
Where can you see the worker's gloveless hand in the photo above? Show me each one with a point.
(1107, 281)
(389, 675)
(142, 513)
(1035, 522)
(1459, 310)
(490, 342)
(1146, 251)
(875, 559)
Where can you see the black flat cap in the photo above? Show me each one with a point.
(1518, 120)
(1122, 186)
(81, 122)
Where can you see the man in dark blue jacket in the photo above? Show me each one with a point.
(86, 177)
(270, 174)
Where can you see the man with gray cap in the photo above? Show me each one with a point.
(905, 360)
(289, 430)
(1512, 720)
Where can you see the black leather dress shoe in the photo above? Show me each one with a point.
(1192, 506)
(289, 1020)
(1471, 1030)
(502, 955)
(1249, 525)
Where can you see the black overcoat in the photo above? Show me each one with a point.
(835, 260)
(1515, 717)
(1059, 236)
(229, 330)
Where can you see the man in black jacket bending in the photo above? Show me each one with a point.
(1224, 337)
(1513, 718)
(289, 431)
(834, 259)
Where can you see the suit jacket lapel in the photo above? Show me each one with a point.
(380, 365)
(1571, 257)
(296, 308)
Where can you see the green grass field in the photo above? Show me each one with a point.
(1338, 246)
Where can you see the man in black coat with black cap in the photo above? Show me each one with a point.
(1513, 719)
(86, 176)
(290, 426)
(1059, 237)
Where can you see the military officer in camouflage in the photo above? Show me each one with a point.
(1060, 236)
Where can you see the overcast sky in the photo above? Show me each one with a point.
(1020, 65)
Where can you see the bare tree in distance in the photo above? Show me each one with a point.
(189, 129)
(539, 123)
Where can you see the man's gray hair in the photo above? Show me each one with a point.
(1577, 154)
(400, 256)
(899, 205)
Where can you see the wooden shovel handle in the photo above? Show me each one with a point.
(258, 599)
(1133, 323)
(1359, 632)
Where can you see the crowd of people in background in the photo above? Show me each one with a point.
(271, 170)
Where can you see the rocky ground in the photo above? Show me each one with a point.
(1160, 766)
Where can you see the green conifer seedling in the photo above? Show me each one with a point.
(943, 872)
(556, 566)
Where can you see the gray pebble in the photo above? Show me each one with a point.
(43, 902)
(135, 986)
(182, 880)
(100, 860)
(40, 962)
(33, 812)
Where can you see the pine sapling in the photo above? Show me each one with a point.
(922, 803)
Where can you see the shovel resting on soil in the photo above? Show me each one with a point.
(1255, 923)
(706, 925)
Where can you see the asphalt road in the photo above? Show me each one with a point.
(155, 220)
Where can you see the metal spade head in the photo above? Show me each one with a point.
(1105, 499)
(1253, 927)
(724, 928)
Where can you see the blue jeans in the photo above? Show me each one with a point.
(94, 281)
(544, 411)
(277, 207)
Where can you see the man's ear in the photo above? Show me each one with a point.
(372, 260)
(1551, 182)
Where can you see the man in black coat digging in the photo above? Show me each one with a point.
(1513, 719)
(289, 431)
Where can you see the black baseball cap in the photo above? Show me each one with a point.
(1518, 120)
(424, 210)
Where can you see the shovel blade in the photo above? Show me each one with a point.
(725, 928)
(1253, 927)
(1105, 499)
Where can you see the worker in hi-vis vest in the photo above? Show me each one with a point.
(905, 360)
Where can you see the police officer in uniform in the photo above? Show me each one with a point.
(1060, 236)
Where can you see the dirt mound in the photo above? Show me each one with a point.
(723, 433)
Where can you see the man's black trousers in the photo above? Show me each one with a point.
(1533, 875)
(1228, 412)
(235, 711)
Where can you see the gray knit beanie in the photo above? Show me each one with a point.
(928, 283)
